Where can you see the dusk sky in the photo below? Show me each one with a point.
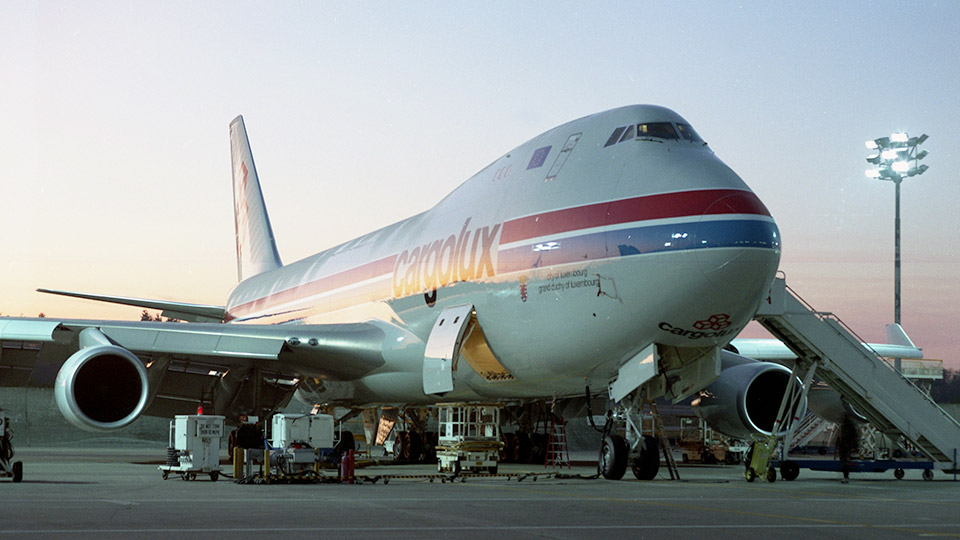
(116, 164)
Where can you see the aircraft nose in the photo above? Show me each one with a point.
(738, 246)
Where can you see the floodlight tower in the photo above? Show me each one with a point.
(896, 158)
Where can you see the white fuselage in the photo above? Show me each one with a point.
(576, 252)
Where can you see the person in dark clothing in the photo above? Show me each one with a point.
(847, 444)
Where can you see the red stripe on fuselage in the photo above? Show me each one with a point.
(662, 206)
(361, 273)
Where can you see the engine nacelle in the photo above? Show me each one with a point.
(746, 397)
(826, 403)
(101, 388)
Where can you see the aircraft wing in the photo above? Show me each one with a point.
(334, 351)
(185, 363)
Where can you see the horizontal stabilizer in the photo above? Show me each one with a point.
(173, 310)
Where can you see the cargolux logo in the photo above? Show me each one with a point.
(713, 322)
(713, 326)
(456, 258)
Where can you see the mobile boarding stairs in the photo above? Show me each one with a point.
(889, 401)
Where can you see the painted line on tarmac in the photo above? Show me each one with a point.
(906, 527)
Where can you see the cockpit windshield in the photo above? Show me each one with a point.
(688, 133)
(660, 130)
(652, 131)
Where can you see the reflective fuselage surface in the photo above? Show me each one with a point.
(577, 250)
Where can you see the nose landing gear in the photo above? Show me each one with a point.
(638, 450)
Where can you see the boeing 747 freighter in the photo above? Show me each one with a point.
(615, 252)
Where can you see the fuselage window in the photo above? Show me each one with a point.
(660, 130)
(688, 133)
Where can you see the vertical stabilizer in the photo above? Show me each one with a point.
(256, 246)
(897, 336)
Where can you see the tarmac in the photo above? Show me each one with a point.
(119, 493)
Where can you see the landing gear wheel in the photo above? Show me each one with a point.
(413, 446)
(538, 448)
(506, 451)
(898, 473)
(751, 474)
(771, 475)
(646, 465)
(789, 470)
(521, 447)
(429, 446)
(399, 445)
(17, 472)
(613, 457)
(928, 474)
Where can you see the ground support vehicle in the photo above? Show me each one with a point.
(468, 438)
(8, 468)
(194, 447)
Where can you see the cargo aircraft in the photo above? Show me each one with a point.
(613, 256)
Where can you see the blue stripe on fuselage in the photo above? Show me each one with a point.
(743, 233)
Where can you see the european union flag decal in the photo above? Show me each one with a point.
(539, 157)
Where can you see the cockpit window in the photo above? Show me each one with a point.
(688, 133)
(660, 130)
(615, 136)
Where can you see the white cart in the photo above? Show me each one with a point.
(194, 447)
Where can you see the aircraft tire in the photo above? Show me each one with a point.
(506, 451)
(647, 464)
(612, 463)
(538, 447)
(521, 447)
(789, 470)
(399, 445)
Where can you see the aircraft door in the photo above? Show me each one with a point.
(443, 348)
(563, 155)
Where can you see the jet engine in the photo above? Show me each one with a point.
(746, 397)
(102, 387)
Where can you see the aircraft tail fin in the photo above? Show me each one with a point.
(897, 336)
(256, 245)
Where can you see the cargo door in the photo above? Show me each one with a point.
(443, 348)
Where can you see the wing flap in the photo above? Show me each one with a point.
(27, 329)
